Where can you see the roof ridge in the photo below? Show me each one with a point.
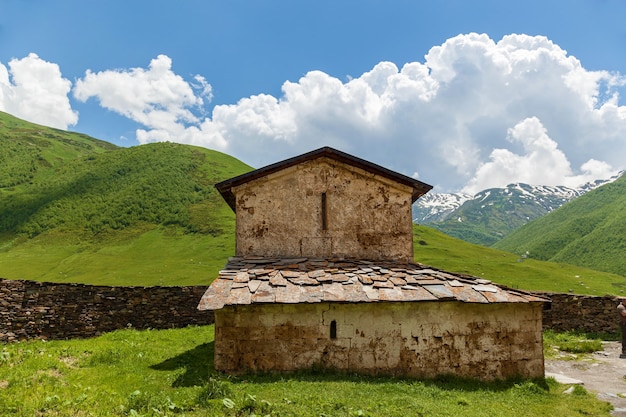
(225, 187)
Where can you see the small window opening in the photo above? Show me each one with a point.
(324, 218)
(333, 329)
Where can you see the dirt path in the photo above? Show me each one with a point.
(602, 372)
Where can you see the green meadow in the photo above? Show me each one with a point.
(171, 256)
(170, 373)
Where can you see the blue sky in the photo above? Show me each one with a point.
(463, 95)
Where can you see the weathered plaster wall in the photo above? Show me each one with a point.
(413, 339)
(366, 216)
(32, 310)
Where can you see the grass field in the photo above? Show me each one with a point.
(437, 249)
(170, 256)
(160, 256)
(169, 372)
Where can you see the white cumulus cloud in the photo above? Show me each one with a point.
(542, 162)
(474, 113)
(34, 90)
(156, 98)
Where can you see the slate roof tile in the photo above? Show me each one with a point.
(278, 280)
(251, 280)
(264, 294)
(253, 285)
(364, 279)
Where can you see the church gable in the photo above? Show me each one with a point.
(322, 208)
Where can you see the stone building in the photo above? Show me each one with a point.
(324, 277)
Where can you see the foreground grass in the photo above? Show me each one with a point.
(169, 372)
(577, 345)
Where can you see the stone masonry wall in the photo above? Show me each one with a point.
(581, 312)
(30, 310)
(425, 339)
(57, 311)
(324, 208)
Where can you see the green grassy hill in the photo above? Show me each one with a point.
(588, 231)
(28, 150)
(82, 210)
(442, 251)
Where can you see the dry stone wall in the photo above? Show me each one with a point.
(581, 312)
(30, 310)
(46, 310)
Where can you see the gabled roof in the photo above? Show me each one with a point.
(259, 280)
(225, 187)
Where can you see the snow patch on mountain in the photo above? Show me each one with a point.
(436, 207)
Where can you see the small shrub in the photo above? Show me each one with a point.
(151, 403)
(572, 342)
(579, 391)
(530, 387)
(214, 389)
(253, 406)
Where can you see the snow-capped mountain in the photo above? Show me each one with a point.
(432, 208)
(491, 214)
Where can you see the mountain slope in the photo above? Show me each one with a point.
(28, 150)
(160, 184)
(442, 251)
(492, 214)
(488, 216)
(588, 231)
(436, 207)
(82, 210)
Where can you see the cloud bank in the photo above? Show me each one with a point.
(474, 114)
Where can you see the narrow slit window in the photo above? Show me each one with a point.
(324, 217)
(333, 329)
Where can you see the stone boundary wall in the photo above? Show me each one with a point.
(44, 310)
(581, 312)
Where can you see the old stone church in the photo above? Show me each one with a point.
(324, 276)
